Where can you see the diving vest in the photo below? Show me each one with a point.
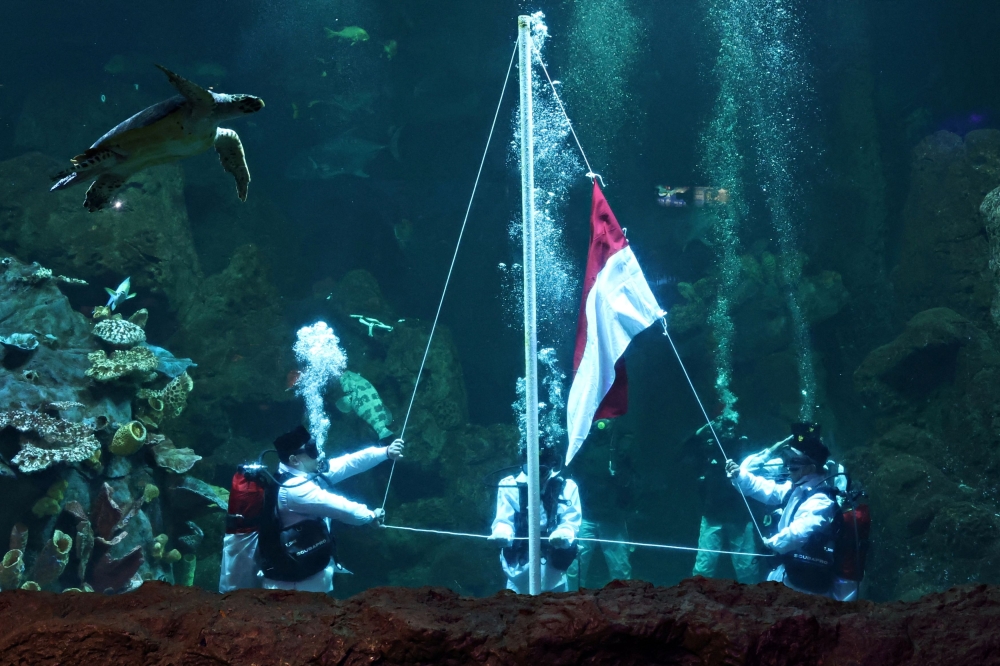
(517, 554)
(296, 552)
(813, 567)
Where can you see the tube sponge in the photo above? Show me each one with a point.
(53, 558)
(320, 359)
(12, 570)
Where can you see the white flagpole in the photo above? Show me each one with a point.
(530, 333)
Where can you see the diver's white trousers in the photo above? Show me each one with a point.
(553, 580)
(726, 536)
(616, 556)
(238, 567)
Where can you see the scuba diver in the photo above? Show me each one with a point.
(561, 516)
(725, 524)
(608, 494)
(278, 527)
(807, 532)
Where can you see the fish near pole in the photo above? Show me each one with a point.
(530, 331)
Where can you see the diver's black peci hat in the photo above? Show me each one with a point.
(291, 442)
(806, 438)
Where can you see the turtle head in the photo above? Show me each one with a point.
(233, 106)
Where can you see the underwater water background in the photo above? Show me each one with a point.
(860, 143)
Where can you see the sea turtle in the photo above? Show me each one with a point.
(182, 126)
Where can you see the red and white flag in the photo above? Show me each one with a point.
(617, 305)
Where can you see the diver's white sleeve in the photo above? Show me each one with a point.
(308, 500)
(508, 499)
(343, 467)
(810, 517)
(569, 514)
(763, 490)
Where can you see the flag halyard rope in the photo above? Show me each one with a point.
(451, 268)
(636, 544)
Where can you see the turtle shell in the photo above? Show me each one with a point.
(144, 118)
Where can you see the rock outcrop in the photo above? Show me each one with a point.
(944, 253)
(699, 621)
(931, 468)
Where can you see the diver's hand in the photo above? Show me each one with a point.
(558, 541)
(379, 518)
(500, 540)
(395, 450)
(732, 469)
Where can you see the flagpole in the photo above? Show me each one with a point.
(530, 333)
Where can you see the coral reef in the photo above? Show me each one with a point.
(172, 397)
(119, 332)
(12, 570)
(58, 441)
(171, 458)
(128, 439)
(132, 364)
(52, 559)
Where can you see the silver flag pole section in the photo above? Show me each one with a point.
(530, 332)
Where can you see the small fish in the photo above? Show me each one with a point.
(119, 295)
(352, 32)
(390, 48)
(361, 398)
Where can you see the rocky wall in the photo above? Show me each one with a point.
(944, 251)
(931, 469)
(699, 621)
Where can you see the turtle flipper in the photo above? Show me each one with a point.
(192, 91)
(102, 190)
(66, 179)
(227, 144)
(93, 158)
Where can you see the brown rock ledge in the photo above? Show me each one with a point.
(697, 622)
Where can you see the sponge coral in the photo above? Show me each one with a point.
(139, 361)
(60, 441)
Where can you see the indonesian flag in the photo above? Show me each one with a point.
(616, 306)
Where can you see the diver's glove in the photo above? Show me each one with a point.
(500, 540)
(557, 540)
(379, 519)
(395, 450)
(732, 469)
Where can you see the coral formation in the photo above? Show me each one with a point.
(119, 332)
(184, 569)
(12, 570)
(60, 441)
(38, 274)
(128, 439)
(173, 395)
(131, 363)
(139, 318)
(171, 458)
(109, 573)
(52, 559)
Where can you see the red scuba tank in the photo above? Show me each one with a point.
(246, 501)
(852, 543)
